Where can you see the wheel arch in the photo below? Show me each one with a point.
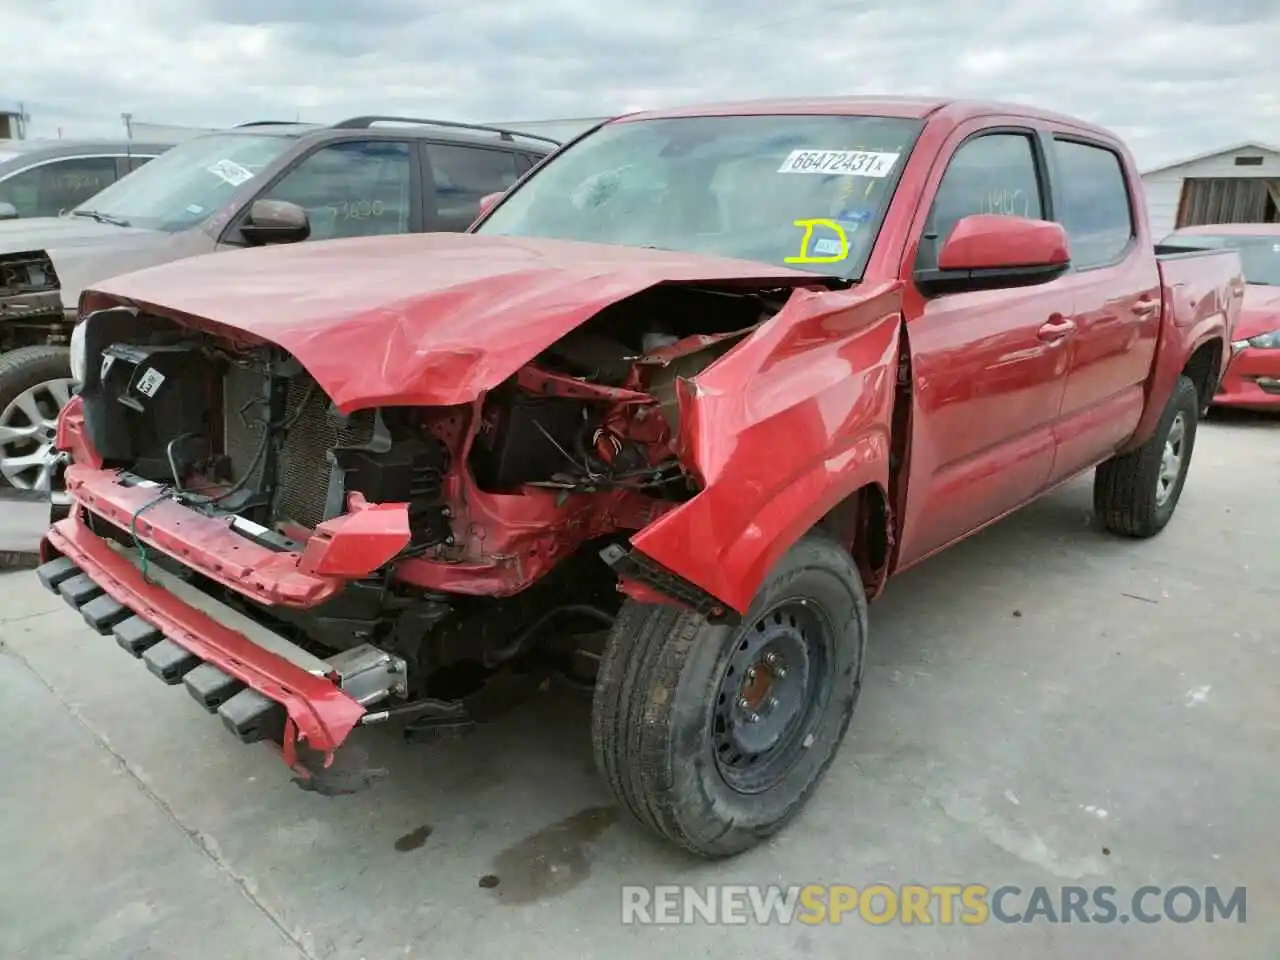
(1203, 366)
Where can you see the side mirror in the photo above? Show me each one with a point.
(488, 200)
(991, 251)
(275, 221)
(8, 211)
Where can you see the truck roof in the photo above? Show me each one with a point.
(914, 108)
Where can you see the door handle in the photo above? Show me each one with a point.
(1057, 328)
(1145, 309)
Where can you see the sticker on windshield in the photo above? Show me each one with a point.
(231, 172)
(847, 163)
(826, 249)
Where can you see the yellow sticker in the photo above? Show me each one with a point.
(808, 226)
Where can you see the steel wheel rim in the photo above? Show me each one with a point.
(27, 428)
(771, 696)
(1171, 459)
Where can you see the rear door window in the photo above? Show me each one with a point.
(1092, 203)
(355, 188)
(464, 175)
(55, 187)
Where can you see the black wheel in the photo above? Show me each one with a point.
(715, 737)
(35, 383)
(1135, 494)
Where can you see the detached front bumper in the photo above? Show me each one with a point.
(1252, 381)
(262, 686)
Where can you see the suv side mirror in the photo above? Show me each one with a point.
(488, 200)
(275, 221)
(8, 211)
(991, 251)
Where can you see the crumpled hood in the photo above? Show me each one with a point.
(84, 251)
(433, 319)
(1260, 312)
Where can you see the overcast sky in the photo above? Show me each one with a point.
(1174, 77)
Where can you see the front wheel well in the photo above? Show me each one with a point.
(1202, 369)
(860, 523)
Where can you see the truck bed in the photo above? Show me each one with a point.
(1200, 283)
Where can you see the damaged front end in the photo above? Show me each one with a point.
(304, 570)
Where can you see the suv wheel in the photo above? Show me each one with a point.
(35, 383)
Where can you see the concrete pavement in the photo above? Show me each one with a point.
(1045, 704)
(23, 518)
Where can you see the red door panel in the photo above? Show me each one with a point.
(1115, 286)
(989, 368)
(987, 391)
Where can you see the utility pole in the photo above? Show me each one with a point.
(127, 119)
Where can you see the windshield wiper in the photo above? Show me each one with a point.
(101, 217)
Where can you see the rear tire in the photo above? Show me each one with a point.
(1135, 494)
(715, 737)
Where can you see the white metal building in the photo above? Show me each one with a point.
(1238, 184)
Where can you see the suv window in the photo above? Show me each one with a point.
(1093, 203)
(992, 173)
(463, 175)
(52, 188)
(351, 189)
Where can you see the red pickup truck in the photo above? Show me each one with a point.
(678, 405)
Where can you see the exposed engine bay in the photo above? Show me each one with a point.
(510, 499)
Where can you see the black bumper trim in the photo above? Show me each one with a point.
(253, 718)
(211, 687)
(248, 714)
(170, 662)
(103, 613)
(136, 636)
(79, 590)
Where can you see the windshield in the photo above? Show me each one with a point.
(1260, 255)
(184, 186)
(793, 191)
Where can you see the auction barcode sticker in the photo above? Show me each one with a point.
(849, 163)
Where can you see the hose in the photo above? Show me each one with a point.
(495, 658)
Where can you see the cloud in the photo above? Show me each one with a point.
(1174, 77)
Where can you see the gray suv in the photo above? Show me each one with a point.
(260, 183)
(43, 178)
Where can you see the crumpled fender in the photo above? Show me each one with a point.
(779, 431)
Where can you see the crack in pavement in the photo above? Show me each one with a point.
(203, 843)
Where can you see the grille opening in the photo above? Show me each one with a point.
(302, 471)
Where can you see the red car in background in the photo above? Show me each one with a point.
(1252, 381)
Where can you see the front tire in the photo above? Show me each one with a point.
(715, 737)
(35, 384)
(1135, 494)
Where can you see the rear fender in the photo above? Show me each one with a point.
(1178, 343)
(779, 431)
